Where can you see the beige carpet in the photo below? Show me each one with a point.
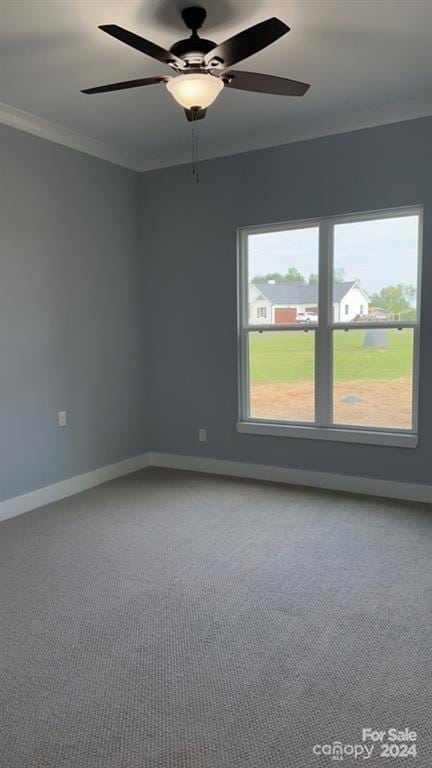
(173, 620)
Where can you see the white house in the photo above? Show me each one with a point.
(275, 303)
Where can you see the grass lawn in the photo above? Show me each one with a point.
(287, 356)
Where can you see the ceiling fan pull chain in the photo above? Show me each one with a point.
(195, 158)
(193, 149)
(196, 155)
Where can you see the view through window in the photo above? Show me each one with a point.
(351, 360)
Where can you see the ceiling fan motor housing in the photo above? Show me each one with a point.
(193, 49)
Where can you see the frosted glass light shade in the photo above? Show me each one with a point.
(196, 89)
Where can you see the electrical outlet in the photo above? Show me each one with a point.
(202, 435)
(62, 422)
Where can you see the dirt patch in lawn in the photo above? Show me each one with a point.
(385, 403)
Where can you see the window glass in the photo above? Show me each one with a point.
(281, 375)
(306, 368)
(373, 377)
(283, 275)
(375, 269)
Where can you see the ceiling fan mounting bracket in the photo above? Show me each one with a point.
(194, 17)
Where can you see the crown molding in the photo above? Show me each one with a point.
(302, 131)
(25, 121)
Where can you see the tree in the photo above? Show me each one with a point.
(276, 276)
(396, 300)
(292, 276)
(339, 275)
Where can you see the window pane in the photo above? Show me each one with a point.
(283, 277)
(281, 375)
(372, 377)
(375, 270)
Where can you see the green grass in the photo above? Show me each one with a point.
(287, 356)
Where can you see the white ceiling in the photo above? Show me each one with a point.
(369, 62)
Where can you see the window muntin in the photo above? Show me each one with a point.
(330, 240)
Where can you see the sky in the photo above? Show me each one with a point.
(378, 253)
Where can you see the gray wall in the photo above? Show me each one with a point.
(71, 334)
(190, 231)
(118, 299)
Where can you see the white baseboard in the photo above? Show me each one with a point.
(41, 496)
(351, 484)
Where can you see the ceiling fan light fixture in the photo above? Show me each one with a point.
(195, 89)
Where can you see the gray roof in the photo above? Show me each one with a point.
(298, 293)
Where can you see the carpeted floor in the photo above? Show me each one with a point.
(175, 620)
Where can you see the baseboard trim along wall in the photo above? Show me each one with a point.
(41, 496)
(329, 481)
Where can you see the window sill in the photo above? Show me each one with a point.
(337, 434)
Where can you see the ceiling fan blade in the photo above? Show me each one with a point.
(248, 42)
(127, 84)
(253, 81)
(142, 45)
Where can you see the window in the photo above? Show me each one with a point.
(261, 312)
(338, 358)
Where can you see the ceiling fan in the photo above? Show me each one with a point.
(203, 68)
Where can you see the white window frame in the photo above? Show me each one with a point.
(323, 428)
